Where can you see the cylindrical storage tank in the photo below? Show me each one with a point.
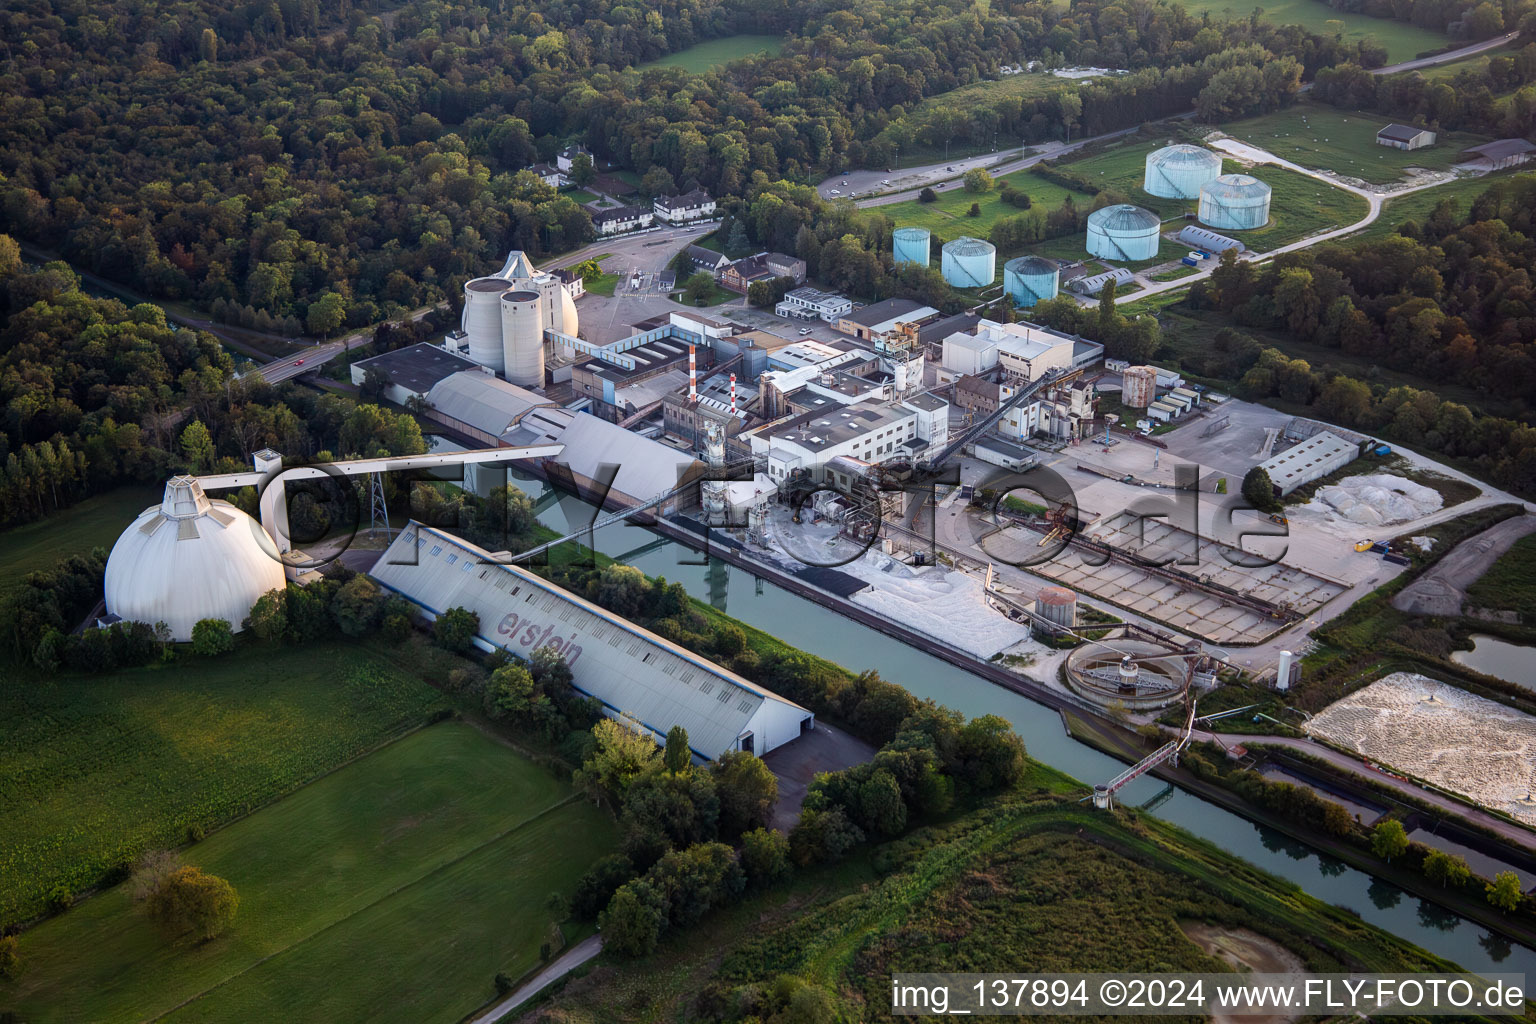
(1031, 279)
(1123, 232)
(522, 332)
(910, 245)
(1235, 202)
(1177, 172)
(559, 309)
(969, 263)
(1138, 386)
(481, 322)
(1057, 605)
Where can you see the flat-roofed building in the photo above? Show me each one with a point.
(631, 671)
(808, 303)
(601, 380)
(413, 371)
(882, 322)
(872, 431)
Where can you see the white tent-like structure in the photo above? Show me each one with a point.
(191, 558)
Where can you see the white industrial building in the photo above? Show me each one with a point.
(871, 431)
(190, 558)
(1024, 351)
(630, 670)
(481, 407)
(1316, 457)
(506, 315)
(808, 303)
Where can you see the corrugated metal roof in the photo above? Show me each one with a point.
(646, 468)
(484, 402)
(630, 669)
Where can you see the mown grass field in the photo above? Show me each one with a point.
(1325, 138)
(1403, 41)
(948, 218)
(703, 56)
(1417, 206)
(94, 522)
(97, 769)
(993, 89)
(1510, 583)
(391, 890)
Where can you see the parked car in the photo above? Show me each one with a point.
(835, 192)
(885, 181)
(804, 331)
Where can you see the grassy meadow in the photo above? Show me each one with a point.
(392, 889)
(94, 522)
(1402, 41)
(948, 219)
(701, 57)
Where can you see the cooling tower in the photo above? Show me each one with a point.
(1235, 202)
(482, 321)
(1123, 232)
(968, 263)
(1031, 279)
(522, 332)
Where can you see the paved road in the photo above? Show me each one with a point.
(1446, 58)
(564, 964)
(1355, 766)
(289, 367)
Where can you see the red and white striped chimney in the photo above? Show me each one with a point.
(693, 376)
(733, 394)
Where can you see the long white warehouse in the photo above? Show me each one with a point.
(631, 670)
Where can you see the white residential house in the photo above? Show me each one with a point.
(620, 219)
(694, 205)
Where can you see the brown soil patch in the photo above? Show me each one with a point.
(1248, 951)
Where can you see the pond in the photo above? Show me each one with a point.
(1500, 659)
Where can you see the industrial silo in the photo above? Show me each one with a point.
(1057, 605)
(1138, 386)
(1123, 232)
(910, 245)
(559, 308)
(482, 320)
(1177, 172)
(968, 263)
(1031, 279)
(1235, 202)
(522, 332)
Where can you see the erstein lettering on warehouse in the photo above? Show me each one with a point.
(532, 639)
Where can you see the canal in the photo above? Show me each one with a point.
(812, 628)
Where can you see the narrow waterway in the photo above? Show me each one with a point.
(812, 628)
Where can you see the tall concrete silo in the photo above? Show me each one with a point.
(1031, 279)
(1123, 232)
(481, 321)
(910, 245)
(1177, 172)
(1138, 386)
(522, 332)
(1235, 202)
(1057, 605)
(968, 262)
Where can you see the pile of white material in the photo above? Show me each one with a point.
(1378, 499)
(1463, 743)
(945, 604)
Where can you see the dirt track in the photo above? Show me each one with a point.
(1442, 590)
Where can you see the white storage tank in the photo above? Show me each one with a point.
(481, 321)
(1123, 232)
(1177, 172)
(910, 245)
(522, 332)
(969, 262)
(1031, 279)
(1235, 202)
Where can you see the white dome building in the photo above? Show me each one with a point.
(189, 558)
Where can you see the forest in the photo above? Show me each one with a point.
(263, 158)
(1496, 98)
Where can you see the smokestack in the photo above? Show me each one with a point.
(733, 394)
(693, 376)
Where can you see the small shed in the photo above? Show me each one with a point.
(1405, 136)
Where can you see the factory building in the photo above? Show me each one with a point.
(686, 416)
(996, 452)
(481, 407)
(871, 431)
(602, 381)
(1235, 202)
(880, 322)
(505, 317)
(190, 558)
(413, 371)
(809, 304)
(1316, 457)
(1177, 172)
(1123, 232)
(630, 670)
(1093, 284)
(1024, 351)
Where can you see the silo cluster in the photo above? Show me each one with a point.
(969, 263)
(482, 320)
(1123, 232)
(522, 337)
(1031, 279)
(910, 246)
(1138, 386)
(1057, 605)
(1178, 172)
(506, 315)
(1235, 202)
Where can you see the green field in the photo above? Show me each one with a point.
(947, 217)
(1402, 41)
(393, 889)
(604, 285)
(1325, 138)
(992, 89)
(100, 768)
(1510, 583)
(581, 195)
(703, 56)
(1417, 206)
(94, 522)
